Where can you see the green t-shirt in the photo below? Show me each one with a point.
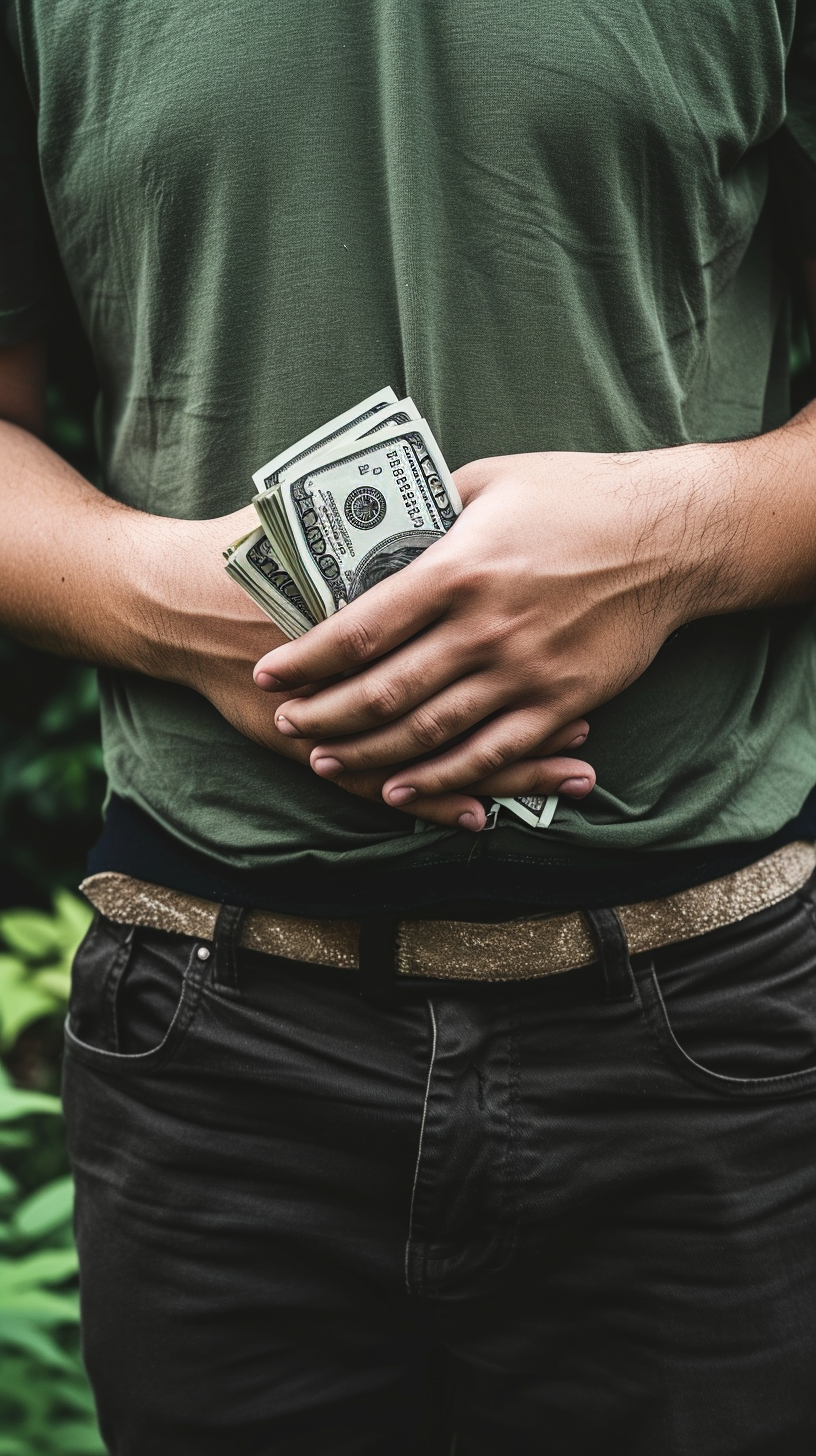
(548, 222)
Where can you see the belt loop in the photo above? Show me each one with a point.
(226, 935)
(613, 953)
(377, 960)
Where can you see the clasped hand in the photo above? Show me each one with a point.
(472, 668)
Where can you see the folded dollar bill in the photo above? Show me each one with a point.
(253, 564)
(534, 809)
(346, 426)
(344, 508)
(357, 513)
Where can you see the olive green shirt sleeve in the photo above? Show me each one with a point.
(798, 136)
(23, 271)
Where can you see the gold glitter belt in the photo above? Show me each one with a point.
(460, 950)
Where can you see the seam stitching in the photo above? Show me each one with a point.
(777, 1082)
(419, 1149)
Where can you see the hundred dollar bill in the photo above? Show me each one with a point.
(535, 809)
(332, 432)
(400, 413)
(342, 509)
(250, 562)
(360, 513)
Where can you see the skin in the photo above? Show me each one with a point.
(469, 672)
(553, 592)
(148, 594)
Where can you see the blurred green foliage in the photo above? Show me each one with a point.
(51, 790)
(46, 1407)
(36, 951)
(51, 778)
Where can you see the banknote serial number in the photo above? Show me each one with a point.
(405, 488)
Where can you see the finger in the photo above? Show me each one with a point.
(386, 615)
(555, 775)
(384, 691)
(504, 740)
(451, 811)
(427, 727)
(430, 726)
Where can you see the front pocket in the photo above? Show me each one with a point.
(737, 1009)
(134, 994)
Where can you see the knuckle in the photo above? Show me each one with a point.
(358, 640)
(495, 634)
(380, 701)
(540, 778)
(466, 578)
(428, 727)
(490, 757)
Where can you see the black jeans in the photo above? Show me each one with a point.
(568, 1218)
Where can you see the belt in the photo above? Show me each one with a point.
(460, 950)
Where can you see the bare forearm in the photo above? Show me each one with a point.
(69, 558)
(780, 516)
(87, 577)
(736, 527)
(767, 511)
(559, 583)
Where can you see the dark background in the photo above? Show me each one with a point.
(51, 792)
(51, 781)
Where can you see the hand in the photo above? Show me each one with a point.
(212, 634)
(554, 590)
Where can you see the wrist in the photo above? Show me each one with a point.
(748, 530)
(700, 518)
(163, 580)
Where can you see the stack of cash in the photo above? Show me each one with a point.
(343, 509)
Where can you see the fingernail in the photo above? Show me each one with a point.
(327, 767)
(269, 683)
(284, 726)
(469, 821)
(577, 787)
(402, 795)
(576, 742)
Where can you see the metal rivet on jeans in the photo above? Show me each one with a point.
(203, 952)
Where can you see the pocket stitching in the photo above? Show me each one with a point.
(189, 998)
(779, 1082)
(110, 989)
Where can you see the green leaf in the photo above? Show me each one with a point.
(45, 1210)
(73, 916)
(79, 1438)
(20, 1005)
(43, 1347)
(56, 984)
(75, 1392)
(30, 931)
(37, 1306)
(16, 1137)
(49, 1266)
(8, 1185)
(16, 1103)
